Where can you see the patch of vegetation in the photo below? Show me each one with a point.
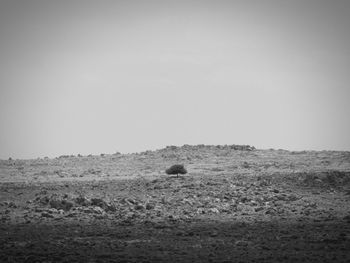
(176, 169)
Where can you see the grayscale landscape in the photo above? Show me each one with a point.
(235, 204)
(174, 131)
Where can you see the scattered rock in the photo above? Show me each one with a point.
(347, 218)
(9, 204)
(200, 211)
(214, 210)
(39, 210)
(242, 243)
(83, 201)
(139, 207)
(258, 209)
(93, 210)
(100, 216)
(214, 233)
(150, 206)
(61, 204)
(52, 211)
(71, 215)
(244, 199)
(99, 202)
(246, 165)
(47, 214)
(271, 211)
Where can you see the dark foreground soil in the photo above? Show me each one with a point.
(177, 242)
(239, 215)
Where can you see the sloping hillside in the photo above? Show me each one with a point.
(236, 203)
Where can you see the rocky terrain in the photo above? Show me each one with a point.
(236, 204)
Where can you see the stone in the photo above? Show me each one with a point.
(93, 210)
(347, 218)
(71, 215)
(111, 208)
(52, 210)
(242, 243)
(214, 233)
(200, 211)
(98, 202)
(46, 214)
(139, 207)
(61, 204)
(214, 210)
(258, 209)
(99, 216)
(150, 206)
(82, 200)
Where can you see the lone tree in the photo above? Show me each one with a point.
(176, 169)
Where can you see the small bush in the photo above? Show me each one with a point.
(176, 169)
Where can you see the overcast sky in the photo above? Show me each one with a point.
(105, 76)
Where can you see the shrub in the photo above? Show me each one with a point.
(176, 169)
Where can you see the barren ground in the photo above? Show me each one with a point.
(233, 206)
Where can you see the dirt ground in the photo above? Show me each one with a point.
(236, 204)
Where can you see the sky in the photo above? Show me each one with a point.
(102, 76)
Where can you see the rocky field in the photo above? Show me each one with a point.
(236, 204)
